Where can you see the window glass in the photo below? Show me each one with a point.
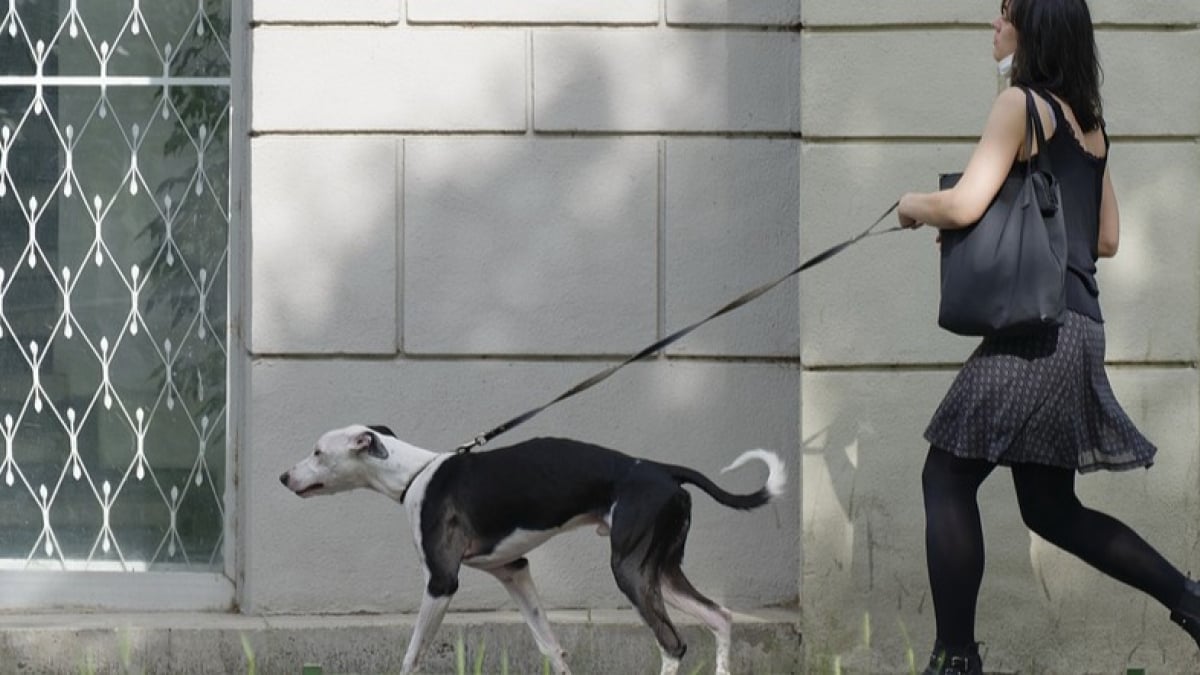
(114, 230)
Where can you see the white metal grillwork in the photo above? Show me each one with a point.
(114, 230)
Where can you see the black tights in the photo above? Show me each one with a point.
(1046, 495)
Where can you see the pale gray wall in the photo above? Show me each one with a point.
(892, 94)
(459, 208)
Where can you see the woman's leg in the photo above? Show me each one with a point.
(953, 543)
(1051, 509)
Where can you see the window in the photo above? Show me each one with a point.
(114, 257)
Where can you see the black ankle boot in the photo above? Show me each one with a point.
(959, 661)
(1187, 610)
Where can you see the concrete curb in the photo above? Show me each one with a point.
(598, 642)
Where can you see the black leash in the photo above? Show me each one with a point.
(732, 305)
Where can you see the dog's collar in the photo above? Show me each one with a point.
(404, 492)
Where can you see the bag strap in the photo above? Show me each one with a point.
(1033, 128)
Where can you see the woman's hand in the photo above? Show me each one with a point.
(910, 222)
(904, 212)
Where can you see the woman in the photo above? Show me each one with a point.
(1039, 404)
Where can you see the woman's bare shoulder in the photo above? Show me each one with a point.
(1010, 100)
(1007, 117)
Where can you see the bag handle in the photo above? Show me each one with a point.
(1032, 130)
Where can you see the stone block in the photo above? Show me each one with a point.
(319, 11)
(707, 81)
(1162, 13)
(868, 83)
(877, 301)
(324, 260)
(1150, 292)
(533, 11)
(1151, 83)
(896, 83)
(520, 247)
(731, 224)
(387, 79)
(832, 13)
(734, 12)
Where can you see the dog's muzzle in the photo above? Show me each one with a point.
(286, 479)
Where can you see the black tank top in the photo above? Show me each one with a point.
(1081, 176)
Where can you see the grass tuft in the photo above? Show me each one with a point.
(460, 655)
(251, 664)
(479, 658)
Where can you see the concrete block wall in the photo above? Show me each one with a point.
(891, 95)
(458, 209)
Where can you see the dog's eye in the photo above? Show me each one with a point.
(317, 452)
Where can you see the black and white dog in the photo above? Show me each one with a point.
(487, 510)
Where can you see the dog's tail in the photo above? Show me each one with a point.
(776, 480)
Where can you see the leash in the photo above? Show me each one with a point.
(743, 299)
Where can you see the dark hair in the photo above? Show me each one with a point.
(1056, 52)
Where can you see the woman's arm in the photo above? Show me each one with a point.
(965, 203)
(1110, 220)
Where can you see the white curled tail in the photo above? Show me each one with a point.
(776, 470)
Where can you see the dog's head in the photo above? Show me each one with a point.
(344, 459)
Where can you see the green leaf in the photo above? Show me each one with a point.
(479, 658)
(460, 655)
(251, 666)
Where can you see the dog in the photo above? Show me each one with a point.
(486, 510)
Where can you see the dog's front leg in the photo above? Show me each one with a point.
(428, 619)
(442, 547)
(519, 584)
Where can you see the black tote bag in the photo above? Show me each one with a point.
(1006, 274)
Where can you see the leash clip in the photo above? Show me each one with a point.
(467, 447)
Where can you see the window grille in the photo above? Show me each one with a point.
(114, 231)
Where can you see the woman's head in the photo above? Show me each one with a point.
(1004, 41)
(1056, 51)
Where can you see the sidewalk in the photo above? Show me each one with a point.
(606, 642)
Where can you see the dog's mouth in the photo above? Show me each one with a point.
(311, 489)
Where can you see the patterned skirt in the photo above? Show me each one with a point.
(1042, 399)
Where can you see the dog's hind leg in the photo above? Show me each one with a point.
(642, 525)
(680, 594)
(519, 583)
(642, 588)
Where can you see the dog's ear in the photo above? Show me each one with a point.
(369, 443)
(380, 429)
